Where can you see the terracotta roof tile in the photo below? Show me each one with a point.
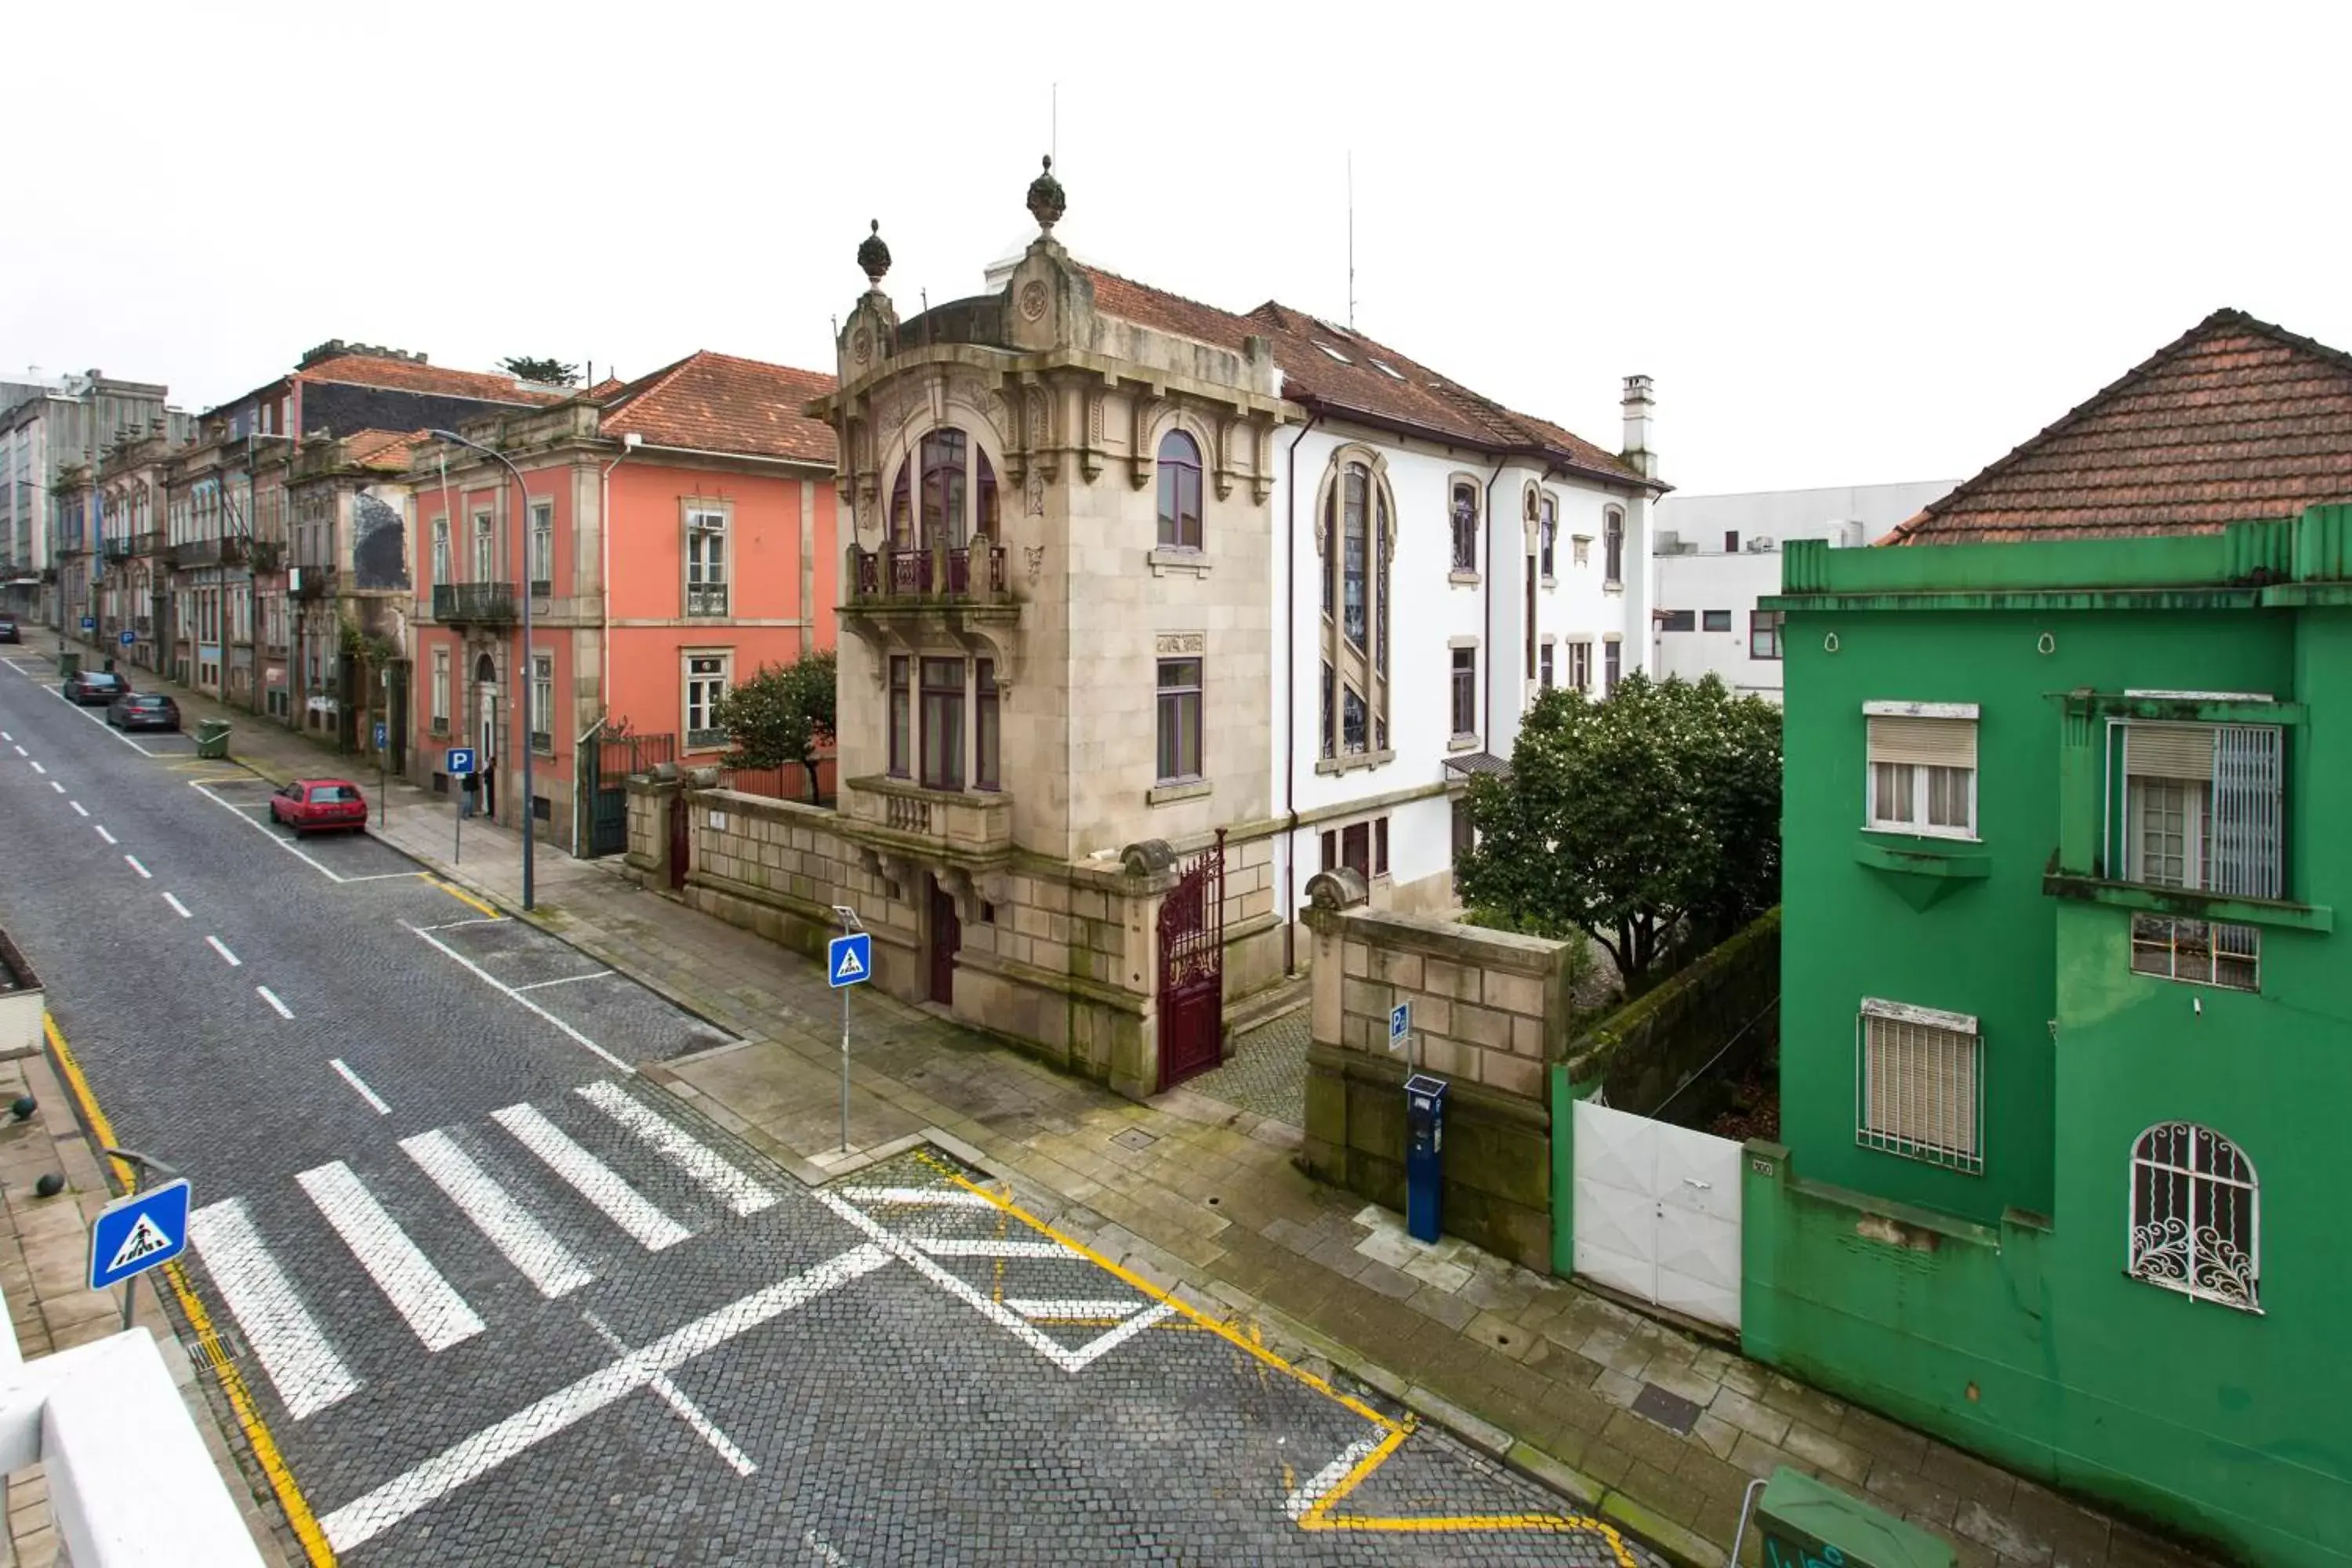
(716, 402)
(407, 375)
(1342, 370)
(385, 449)
(2235, 419)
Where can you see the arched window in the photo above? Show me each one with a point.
(1612, 539)
(1180, 492)
(1466, 527)
(2196, 1215)
(1358, 538)
(958, 490)
(1547, 536)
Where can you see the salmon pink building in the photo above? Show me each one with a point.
(675, 534)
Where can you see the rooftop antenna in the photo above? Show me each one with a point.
(1351, 242)
(1053, 121)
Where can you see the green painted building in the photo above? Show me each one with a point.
(2066, 1061)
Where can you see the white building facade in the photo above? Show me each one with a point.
(1715, 556)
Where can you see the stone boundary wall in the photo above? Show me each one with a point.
(21, 1003)
(1711, 1019)
(1490, 1011)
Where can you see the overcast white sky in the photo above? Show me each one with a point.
(1853, 244)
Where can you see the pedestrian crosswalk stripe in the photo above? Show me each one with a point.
(917, 1197)
(307, 1373)
(742, 1193)
(968, 1247)
(590, 1178)
(430, 1306)
(1052, 1311)
(542, 1260)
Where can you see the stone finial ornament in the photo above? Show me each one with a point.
(874, 256)
(1046, 201)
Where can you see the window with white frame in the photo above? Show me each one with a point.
(440, 551)
(543, 548)
(1919, 1085)
(440, 691)
(706, 562)
(542, 702)
(1543, 665)
(1579, 667)
(2196, 1215)
(706, 683)
(1464, 518)
(1923, 768)
(1548, 535)
(1612, 666)
(2203, 809)
(1464, 691)
(486, 549)
(1612, 545)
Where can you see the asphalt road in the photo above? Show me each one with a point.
(504, 1304)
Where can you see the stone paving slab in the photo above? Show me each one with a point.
(1209, 1200)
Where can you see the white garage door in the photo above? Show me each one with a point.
(1657, 1212)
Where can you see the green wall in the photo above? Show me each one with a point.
(1995, 1309)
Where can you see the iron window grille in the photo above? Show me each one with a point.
(2196, 1215)
(2203, 808)
(1919, 1085)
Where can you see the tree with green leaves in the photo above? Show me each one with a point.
(782, 714)
(545, 372)
(1633, 819)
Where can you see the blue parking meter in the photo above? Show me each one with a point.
(1425, 1148)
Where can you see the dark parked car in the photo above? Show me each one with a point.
(143, 711)
(87, 686)
(313, 805)
(8, 632)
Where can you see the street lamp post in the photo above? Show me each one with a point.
(523, 676)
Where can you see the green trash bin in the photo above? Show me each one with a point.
(212, 739)
(68, 666)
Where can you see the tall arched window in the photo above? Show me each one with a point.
(1358, 538)
(2196, 1215)
(1547, 536)
(1180, 492)
(958, 487)
(1612, 537)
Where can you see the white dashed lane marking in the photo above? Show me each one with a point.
(132, 861)
(271, 998)
(102, 833)
(79, 810)
(222, 948)
(178, 908)
(360, 1085)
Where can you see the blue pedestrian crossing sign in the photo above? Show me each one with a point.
(849, 960)
(134, 1234)
(460, 761)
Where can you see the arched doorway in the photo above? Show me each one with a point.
(486, 730)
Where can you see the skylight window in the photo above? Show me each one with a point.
(1333, 327)
(1335, 354)
(1386, 369)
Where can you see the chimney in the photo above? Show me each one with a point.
(1638, 407)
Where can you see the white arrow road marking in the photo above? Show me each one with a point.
(1329, 1476)
(364, 1518)
(590, 1178)
(528, 1244)
(360, 1084)
(308, 1373)
(271, 998)
(222, 948)
(432, 1307)
(742, 1194)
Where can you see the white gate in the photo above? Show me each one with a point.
(1657, 1212)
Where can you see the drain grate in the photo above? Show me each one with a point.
(1135, 1138)
(1666, 1407)
(211, 1350)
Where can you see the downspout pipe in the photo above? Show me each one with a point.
(1486, 586)
(1290, 703)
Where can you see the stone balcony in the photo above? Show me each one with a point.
(971, 822)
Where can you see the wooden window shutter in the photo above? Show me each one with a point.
(1924, 743)
(2182, 751)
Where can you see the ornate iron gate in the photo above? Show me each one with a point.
(606, 763)
(1193, 968)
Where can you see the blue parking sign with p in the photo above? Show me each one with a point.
(460, 761)
(849, 960)
(135, 1234)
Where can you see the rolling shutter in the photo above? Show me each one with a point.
(1924, 743)
(2182, 751)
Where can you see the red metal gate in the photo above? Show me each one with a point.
(1193, 968)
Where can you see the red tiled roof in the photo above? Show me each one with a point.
(385, 449)
(407, 375)
(1343, 371)
(716, 402)
(2235, 419)
(605, 389)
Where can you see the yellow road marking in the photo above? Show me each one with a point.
(459, 894)
(249, 1415)
(1393, 1432)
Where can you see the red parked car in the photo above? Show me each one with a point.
(315, 805)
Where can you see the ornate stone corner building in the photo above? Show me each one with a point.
(1150, 611)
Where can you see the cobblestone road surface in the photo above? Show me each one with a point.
(504, 1304)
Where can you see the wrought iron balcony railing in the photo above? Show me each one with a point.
(486, 604)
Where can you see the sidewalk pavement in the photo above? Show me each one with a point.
(44, 1275)
(1652, 1428)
